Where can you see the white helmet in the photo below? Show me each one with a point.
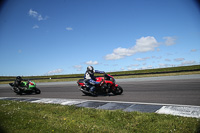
(90, 69)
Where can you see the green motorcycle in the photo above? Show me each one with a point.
(25, 87)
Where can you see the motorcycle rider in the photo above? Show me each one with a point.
(90, 78)
(18, 81)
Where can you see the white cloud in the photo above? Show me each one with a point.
(113, 57)
(169, 54)
(132, 66)
(144, 44)
(36, 27)
(167, 60)
(19, 51)
(158, 57)
(91, 62)
(147, 67)
(69, 28)
(192, 62)
(169, 40)
(41, 18)
(36, 15)
(135, 65)
(122, 68)
(162, 65)
(193, 50)
(78, 67)
(142, 59)
(179, 59)
(33, 13)
(55, 71)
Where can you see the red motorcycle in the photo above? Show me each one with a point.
(106, 86)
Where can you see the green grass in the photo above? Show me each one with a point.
(18, 117)
(169, 69)
(138, 73)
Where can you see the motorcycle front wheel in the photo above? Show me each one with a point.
(84, 90)
(118, 90)
(17, 91)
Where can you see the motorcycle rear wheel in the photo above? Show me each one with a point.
(19, 92)
(37, 91)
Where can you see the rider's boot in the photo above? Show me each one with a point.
(27, 85)
(92, 91)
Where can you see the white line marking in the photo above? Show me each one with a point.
(85, 100)
(180, 111)
(58, 101)
(71, 102)
(161, 104)
(172, 109)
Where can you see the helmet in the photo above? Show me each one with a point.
(90, 69)
(18, 78)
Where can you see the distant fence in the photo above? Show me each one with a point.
(1, 80)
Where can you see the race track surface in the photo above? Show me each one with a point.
(184, 90)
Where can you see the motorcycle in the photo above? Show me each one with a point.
(25, 87)
(106, 86)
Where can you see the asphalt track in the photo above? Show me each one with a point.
(182, 90)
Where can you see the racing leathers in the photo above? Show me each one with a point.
(91, 80)
(18, 81)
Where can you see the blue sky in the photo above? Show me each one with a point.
(43, 37)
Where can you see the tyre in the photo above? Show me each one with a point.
(109, 88)
(83, 89)
(104, 88)
(17, 91)
(37, 91)
(118, 90)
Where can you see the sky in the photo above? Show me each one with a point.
(53, 37)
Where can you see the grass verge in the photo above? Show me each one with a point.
(17, 117)
(116, 77)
